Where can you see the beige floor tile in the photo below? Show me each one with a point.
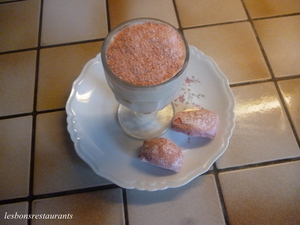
(291, 93)
(15, 151)
(203, 12)
(234, 48)
(17, 78)
(280, 39)
(105, 207)
(264, 196)
(57, 167)
(59, 67)
(19, 25)
(262, 131)
(19, 210)
(121, 11)
(259, 9)
(194, 203)
(73, 20)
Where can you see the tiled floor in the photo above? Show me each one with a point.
(43, 47)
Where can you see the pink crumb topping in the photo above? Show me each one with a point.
(146, 53)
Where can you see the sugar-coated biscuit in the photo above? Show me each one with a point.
(196, 123)
(162, 152)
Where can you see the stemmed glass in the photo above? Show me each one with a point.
(145, 111)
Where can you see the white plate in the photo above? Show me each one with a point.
(102, 144)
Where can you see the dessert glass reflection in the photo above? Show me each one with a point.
(144, 62)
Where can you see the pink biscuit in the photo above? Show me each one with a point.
(163, 153)
(196, 123)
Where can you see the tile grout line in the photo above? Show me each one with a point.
(30, 113)
(61, 193)
(276, 16)
(220, 193)
(53, 46)
(250, 20)
(18, 50)
(34, 116)
(297, 76)
(108, 16)
(75, 191)
(13, 1)
(288, 115)
(259, 164)
(180, 28)
(215, 24)
(125, 206)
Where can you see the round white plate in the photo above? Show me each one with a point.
(102, 144)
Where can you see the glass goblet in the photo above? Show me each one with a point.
(145, 110)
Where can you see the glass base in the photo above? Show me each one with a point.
(145, 126)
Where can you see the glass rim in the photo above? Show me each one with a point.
(131, 22)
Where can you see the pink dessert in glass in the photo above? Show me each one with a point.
(146, 53)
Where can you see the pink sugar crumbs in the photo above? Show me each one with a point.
(146, 53)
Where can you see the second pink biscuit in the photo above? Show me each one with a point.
(196, 123)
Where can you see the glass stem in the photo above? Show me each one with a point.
(146, 116)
